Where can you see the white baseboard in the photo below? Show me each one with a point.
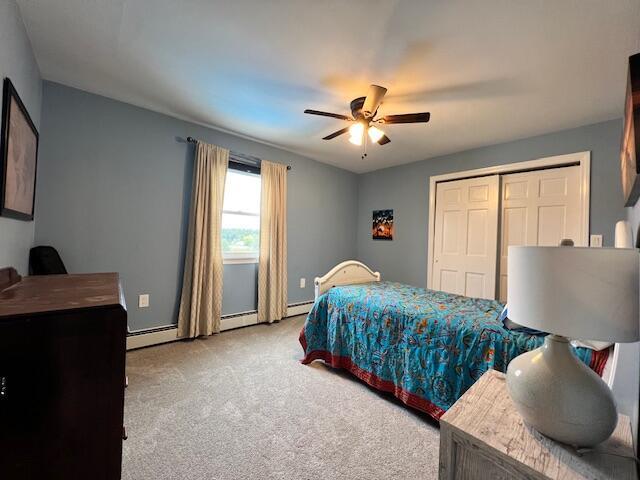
(299, 309)
(169, 334)
(152, 338)
(237, 321)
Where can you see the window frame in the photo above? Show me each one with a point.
(241, 258)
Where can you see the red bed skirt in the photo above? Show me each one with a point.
(598, 362)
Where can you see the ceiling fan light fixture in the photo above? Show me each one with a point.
(375, 134)
(356, 132)
(355, 140)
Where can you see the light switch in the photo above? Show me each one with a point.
(595, 241)
(143, 300)
(303, 282)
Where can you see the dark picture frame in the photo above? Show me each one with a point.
(19, 149)
(630, 144)
(382, 225)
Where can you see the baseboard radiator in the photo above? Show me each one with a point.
(168, 333)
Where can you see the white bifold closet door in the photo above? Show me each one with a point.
(539, 208)
(465, 243)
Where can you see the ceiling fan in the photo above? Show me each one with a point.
(363, 112)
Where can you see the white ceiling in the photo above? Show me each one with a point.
(489, 71)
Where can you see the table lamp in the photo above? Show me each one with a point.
(571, 293)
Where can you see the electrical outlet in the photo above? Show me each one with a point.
(595, 241)
(143, 300)
(303, 282)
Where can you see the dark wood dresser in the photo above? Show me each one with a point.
(62, 376)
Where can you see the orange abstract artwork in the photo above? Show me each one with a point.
(382, 225)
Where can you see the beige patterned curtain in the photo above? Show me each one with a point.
(201, 299)
(272, 265)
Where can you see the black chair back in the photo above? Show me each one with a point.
(45, 260)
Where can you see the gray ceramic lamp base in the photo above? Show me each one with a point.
(560, 396)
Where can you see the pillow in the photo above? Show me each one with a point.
(591, 344)
(511, 325)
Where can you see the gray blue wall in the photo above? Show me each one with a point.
(18, 63)
(113, 193)
(405, 189)
(114, 185)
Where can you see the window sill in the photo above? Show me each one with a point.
(240, 260)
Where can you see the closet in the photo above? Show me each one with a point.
(477, 219)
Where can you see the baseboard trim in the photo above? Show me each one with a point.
(299, 308)
(156, 337)
(169, 333)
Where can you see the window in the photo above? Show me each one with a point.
(241, 217)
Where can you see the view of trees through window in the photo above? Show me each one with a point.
(240, 240)
(241, 215)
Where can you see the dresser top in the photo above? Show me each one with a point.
(486, 413)
(48, 293)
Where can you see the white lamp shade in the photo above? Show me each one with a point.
(581, 293)
(624, 237)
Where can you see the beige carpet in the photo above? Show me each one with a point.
(239, 405)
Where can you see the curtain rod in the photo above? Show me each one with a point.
(193, 140)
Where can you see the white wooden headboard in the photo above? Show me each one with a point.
(345, 273)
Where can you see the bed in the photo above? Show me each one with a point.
(425, 347)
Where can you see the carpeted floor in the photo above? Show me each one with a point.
(239, 405)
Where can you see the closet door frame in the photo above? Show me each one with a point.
(581, 159)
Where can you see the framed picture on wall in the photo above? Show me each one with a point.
(19, 151)
(630, 148)
(382, 225)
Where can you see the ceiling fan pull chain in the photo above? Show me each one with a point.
(364, 144)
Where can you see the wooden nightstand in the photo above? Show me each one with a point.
(482, 436)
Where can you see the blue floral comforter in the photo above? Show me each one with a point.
(425, 347)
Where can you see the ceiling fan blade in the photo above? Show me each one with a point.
(336, 134)
(407, 118)
(327, 114)
(373, 100)
(384, 140)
